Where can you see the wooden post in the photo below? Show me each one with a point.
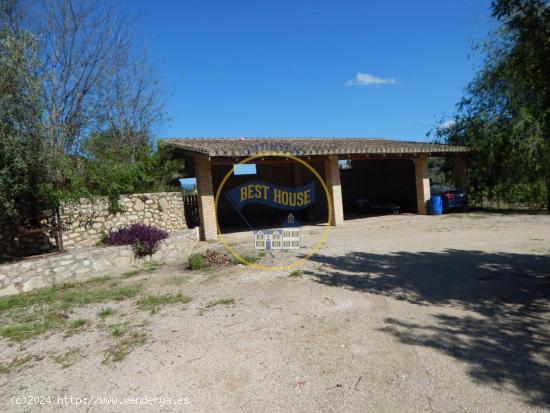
(59, 226)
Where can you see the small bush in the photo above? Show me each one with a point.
(194, 262)
(105, 312)
(206, 259)
(213, 257)
(102, 238)
(143, 239)
(295, 273)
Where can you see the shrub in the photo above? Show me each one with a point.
(213, 257)
(208, 258)
(143, 239)
(194, 262)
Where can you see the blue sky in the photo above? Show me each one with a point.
(310, 68)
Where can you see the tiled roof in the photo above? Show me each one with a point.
(306, 146)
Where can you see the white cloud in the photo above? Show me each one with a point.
(364, 79)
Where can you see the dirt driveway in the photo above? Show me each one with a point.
(407, 313)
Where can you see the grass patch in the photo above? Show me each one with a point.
(249, 259)
(153, 302)
(33, 313)
(117, 331)
(296, 273)
(194, 262)
(79, 322)
(125, 346)
(105, 312)
(221, 301)
(151, 266)
(130, 274)
(26, 330)
(214, 303)
(17, 363)
(70, 357)
(75, 326)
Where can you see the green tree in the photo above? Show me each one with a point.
(22, 166)
(505, 115)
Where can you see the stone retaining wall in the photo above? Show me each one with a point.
(85, 221)
(85, 262)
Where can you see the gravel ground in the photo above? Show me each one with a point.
(397, 313)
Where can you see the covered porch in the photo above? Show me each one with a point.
(388, 172)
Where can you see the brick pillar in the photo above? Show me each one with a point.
(422, 184)
(332, 180)
(460, 175)
(205, 195)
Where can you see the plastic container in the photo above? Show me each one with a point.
(436, 205)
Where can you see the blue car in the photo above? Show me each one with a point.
(453, 198)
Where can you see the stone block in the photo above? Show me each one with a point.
(9, 290)
(101, 265)
(34, 282)
(122, 261)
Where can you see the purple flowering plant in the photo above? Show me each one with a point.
(144, 239)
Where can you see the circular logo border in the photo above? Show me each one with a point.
(325, 231)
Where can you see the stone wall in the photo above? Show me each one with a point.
(85, 221)
(85, 262)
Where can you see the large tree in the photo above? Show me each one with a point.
(505, 115)
(94, 95)
(22, 166)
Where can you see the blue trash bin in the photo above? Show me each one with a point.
(436, 205)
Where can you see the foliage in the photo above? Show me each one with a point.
(78, 108)
(144, 239)
(212, 257)
(22, 162)
(208, 258)
(194, 262)
(505, 115)
(152, 303)
(249, 259)
(32, 313)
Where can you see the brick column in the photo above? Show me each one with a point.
(460, 175)
(205, 195)
(332, 180)
(422, 184)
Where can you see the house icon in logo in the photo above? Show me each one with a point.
(287, 237)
